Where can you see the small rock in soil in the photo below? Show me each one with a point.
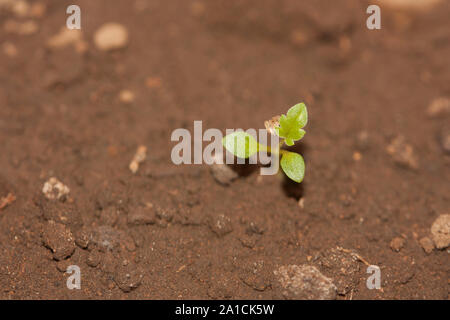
(141, 215)
(111, 36)
(93, 259)
(440, 231)
(303, 282)
(344, 266)
(397, 244)
(82, 238)
(164, 215)
(256, 274)
(126, 96)
(403, 153)
(439, 107)
(220, 225)
(426, 244)
(139, 157)
(222, 173)
(55, 189)
(127, 277)
(58, 239)
(249, 241)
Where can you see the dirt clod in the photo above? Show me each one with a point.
(220, 225)
(93, 259)
(397, 244)
(343, 265)
(58, 239)
(426, 244)
(256, 274)
(223, 174)
(303, 282)
(440, 231)
(403, 153)
(128, 277)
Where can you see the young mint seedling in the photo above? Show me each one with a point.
(289, 128)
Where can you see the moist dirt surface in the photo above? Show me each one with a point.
(82, 107)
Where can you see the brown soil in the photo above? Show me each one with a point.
(377, 173)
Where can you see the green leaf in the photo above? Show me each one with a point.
(241, 144)
(291, 124)
(293, 165)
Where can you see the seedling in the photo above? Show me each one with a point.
(288, 127)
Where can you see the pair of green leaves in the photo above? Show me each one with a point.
(243, 145)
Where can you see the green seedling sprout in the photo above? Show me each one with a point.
(289, 128)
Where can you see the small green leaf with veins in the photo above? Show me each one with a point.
(291, 124)
(293, 165)
(241, 144)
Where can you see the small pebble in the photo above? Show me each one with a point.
(126, 96)
(303, 282)
(427, 244)
(438, 107)
(111, 36)
(220, 225)
(127, 277)
(403, 153)
(222, 173)
(58, 239)
(440, 231)
(397, 244)
(139, 157)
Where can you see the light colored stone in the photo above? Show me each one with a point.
(139, 157)
(438, 107)
(303, 282)
(126, 96)
(55, 189)
(111, 36)
(440, 231)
